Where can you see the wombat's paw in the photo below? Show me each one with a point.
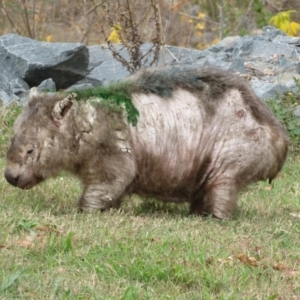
(222, 216)
(92, 205)
(209, 212)
(88, 205)
(89, 210)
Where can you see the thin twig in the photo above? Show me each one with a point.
(40, 23)
(5, 12)
(90, 25)
(96, 6)
(26, 19)
(220, 7)
(199, 19)
(172, 54)
(33, 20)
(243, 20)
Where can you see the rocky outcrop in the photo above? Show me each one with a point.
(269, 61)
(33, 61)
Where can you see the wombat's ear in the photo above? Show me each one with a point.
(33, 92)
(61, 108)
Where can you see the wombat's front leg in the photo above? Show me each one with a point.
(101, 196)
(106, 182)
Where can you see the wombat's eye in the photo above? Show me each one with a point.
(29, 151)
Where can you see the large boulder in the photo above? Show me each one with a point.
(35, 61)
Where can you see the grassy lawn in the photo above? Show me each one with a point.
(147, 250)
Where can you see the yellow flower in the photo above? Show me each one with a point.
(294, 29)
(114, 36)
(283, 21)
(200, 26)
(201, 15)
(49, 38)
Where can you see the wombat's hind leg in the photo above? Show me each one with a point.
(218, 200)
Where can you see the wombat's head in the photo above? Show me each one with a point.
(35, 151)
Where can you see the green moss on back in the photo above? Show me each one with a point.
(111, 95)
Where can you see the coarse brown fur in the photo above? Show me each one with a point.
(202, 136)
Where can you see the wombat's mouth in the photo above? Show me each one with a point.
(27, 185)
(21, 181)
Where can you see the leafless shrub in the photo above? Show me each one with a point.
(52, 20)
(134, 24)
(27, 18)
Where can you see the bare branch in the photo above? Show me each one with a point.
(5, 12)
(95, 7)
(243, 20)
(26, 19)
(124, 17)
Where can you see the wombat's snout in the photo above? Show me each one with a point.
(10, 177)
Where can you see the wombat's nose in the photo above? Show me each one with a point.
(11, 178)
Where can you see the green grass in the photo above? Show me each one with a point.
(283, 107)
(147, 250)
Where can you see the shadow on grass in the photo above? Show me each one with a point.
(146, 206)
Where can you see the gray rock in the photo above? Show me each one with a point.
(267, 90)
(210, 61)
(229, 42)
(47, 85)
(272, 32)
(18, 86)
(7, 89)
(103, 68)
(225, 45)
(296, 111)
(254, 47)
(79, 87)
(288, 64)
(287, 40)
(4, 85)
(291, 86)
(286, 77)
(174, 55)
(6, 99)
(35, 61)
(238, 65)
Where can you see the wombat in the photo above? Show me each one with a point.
(180, 134)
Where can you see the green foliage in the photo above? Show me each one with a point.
(283, 107)
(10, 281)
(67, 242)
(115, 94)
(262, 15)
(283, 21)
(27, 225)
(8, 115)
